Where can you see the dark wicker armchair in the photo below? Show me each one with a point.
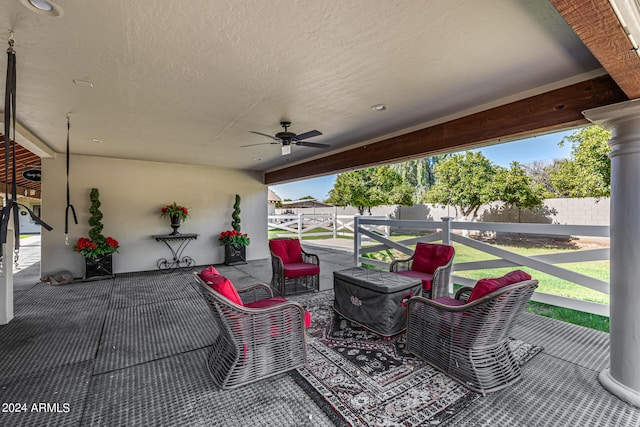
(430, 263)
(251, 344)
(469, 340)
(294, 270)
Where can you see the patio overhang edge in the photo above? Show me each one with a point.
(554, 110)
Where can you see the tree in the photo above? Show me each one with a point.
(588, 172)
(464, 181)
(366, 188)
(467, 181)
(516, 189)
(540, 173)
(419, 174)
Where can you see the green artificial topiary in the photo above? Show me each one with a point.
(235, 216)
(95, 233)
(96, 246)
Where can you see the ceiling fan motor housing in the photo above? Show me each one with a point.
(286, 136)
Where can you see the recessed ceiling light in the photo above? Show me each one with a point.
(96, 140)
(82, 83)
(257, 159)
(379, 107)
(43, 7)
(41, 4)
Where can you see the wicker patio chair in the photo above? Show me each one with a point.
(430, 263)
(468, 340)
(251, 344)
(294, 270)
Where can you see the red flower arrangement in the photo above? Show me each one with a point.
(96, 249)
(175, 209)
(234, 238)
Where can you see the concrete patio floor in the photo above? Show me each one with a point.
(131, 351)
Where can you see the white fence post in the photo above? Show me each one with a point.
(446, 240)
(387, 229)
(300, 219)
(446, 230)
(356, 239)
(335, 222)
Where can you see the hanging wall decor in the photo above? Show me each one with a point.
(69, 205)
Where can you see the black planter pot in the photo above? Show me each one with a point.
(175, 224)
(234, 255)
(99, 268)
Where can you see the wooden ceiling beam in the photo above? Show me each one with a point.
(25, 159)
(555, 110)
(21, 191)
(597, 25)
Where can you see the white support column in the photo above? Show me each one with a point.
(6, 281)
(622, 378)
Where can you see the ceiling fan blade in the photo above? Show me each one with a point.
(260, 143)
(309, 134)
(264, 134)
(312, 144)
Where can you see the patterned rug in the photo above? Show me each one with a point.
(361, 379)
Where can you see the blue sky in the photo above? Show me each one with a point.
(544, 148)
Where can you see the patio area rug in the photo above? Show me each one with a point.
(361, 379)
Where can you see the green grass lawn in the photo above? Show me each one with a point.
(547, 284)
(593, 321)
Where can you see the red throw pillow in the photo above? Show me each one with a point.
(224, 287)
(486, 286)
(429, 256)
(208, 272)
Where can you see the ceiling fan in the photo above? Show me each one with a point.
(286, 139)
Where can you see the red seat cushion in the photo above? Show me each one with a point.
(223, 286)
(486, 286)
(299, 269)
(425, 277)
(451, 302)
(429, 256)
(288, 249)
(268, 302)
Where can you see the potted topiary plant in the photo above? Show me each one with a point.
(235, 243)
(97, 249)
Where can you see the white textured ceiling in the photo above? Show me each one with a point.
(185, 81)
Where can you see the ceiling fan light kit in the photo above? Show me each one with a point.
(286, 139)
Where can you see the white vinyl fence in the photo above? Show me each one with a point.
(328, 225)
(371, 234)
(444, 231)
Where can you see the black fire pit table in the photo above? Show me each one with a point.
(374, 299)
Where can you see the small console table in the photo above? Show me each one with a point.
(178, 260)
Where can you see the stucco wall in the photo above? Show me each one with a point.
(132, 194)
